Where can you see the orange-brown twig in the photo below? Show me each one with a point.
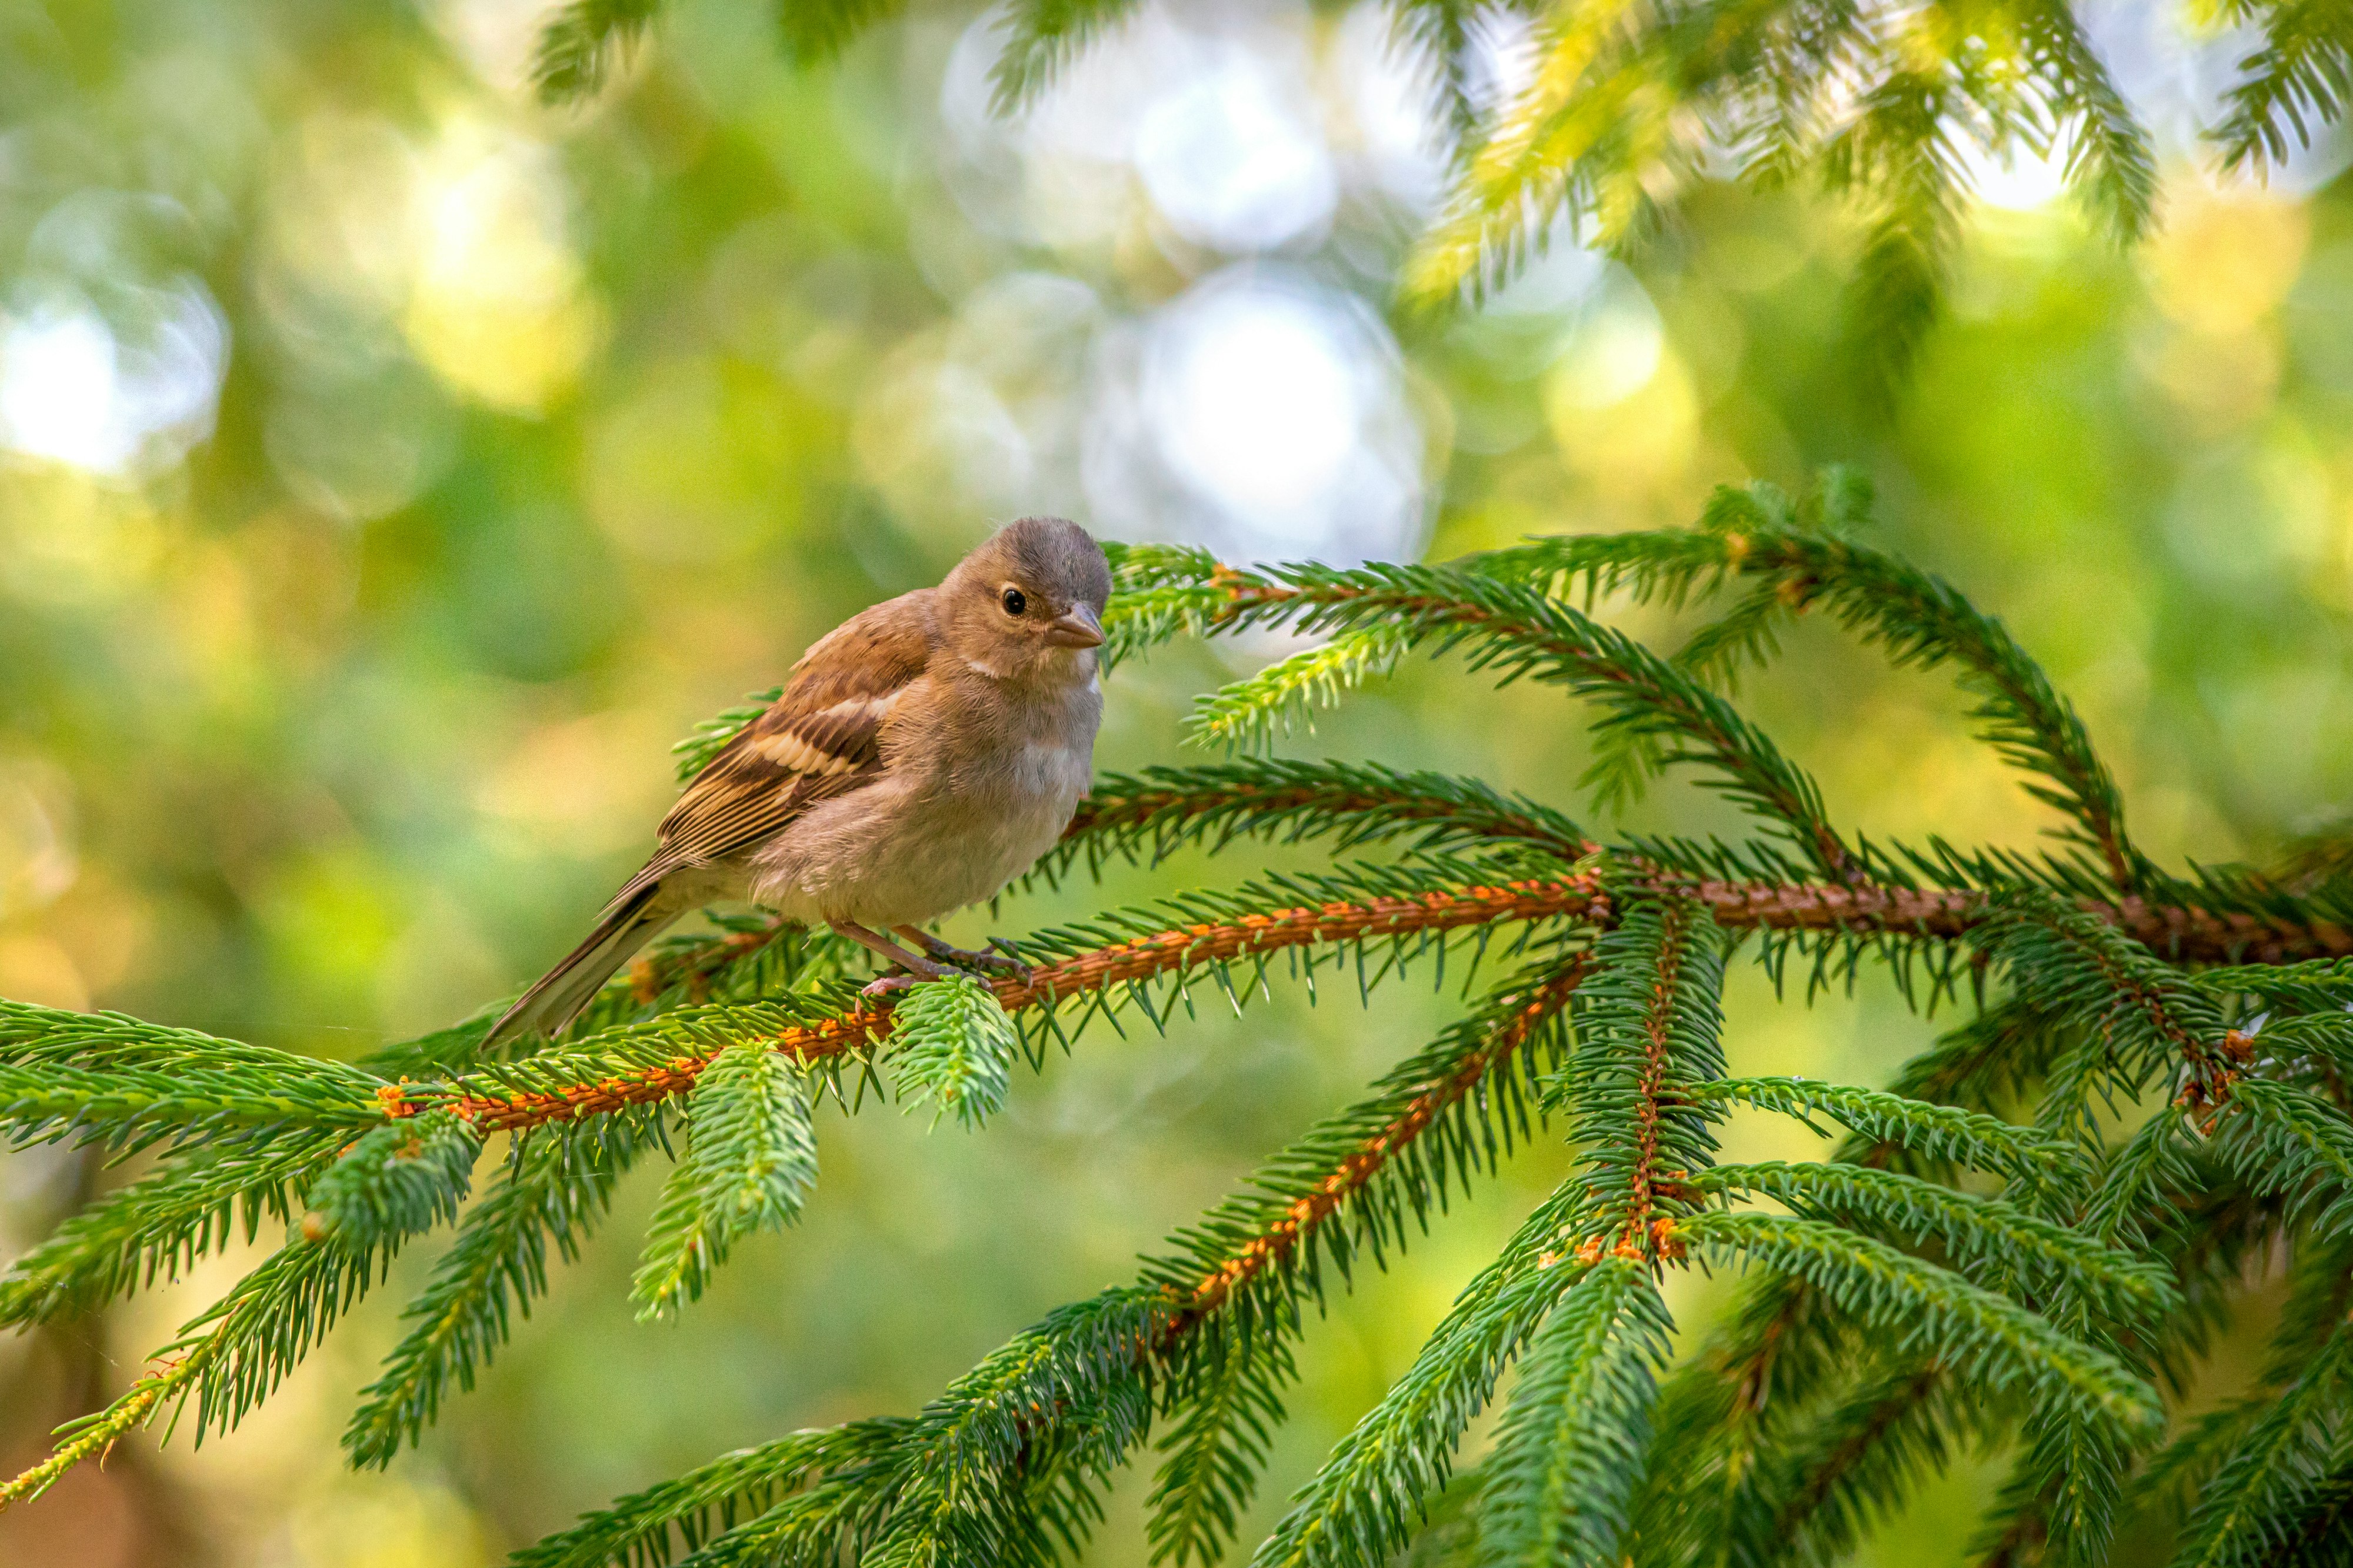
(1658, 1048)
(1143, 957)
(1281, 1237)
(2187, 935)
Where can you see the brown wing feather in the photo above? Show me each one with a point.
(821, 738)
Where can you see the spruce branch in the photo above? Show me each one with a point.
(2129, 1198)
(2238, 1520)
(1230, 1272)
(1579, 143)
(1250, 713)
(190, 1205)
(751, 1160)
(983, 1478)
(1627, 108)
(752, 1145)
(1921, 620)
(1521, 633)
(954, 1046)
(2021, 1155)
(1747, 635)
(1727, 1414)
(577, 46)
(1647, 1027)
(1995, 1057)
(553, 1188)
(2142, 1024)
(1999, 1245)
(2281, 1139)
(661, 1059)
(1570, 1450)
(124, 1084)
(1355, 1512)
(1439, 38)
(1241, 1240)
(648, 1527)
(131, 1108)
(1749, 1409)
(1901, 154)
(1893, 1315)
(94, 1435)
(2109, 156)
(1388, 1163)
(1041, 38)
(2294, 82)
(401, 1178)
(645, 1064)
(2173, 1480)
(227, 1359)
(1980, 1334)
(1229, 1404)
(1161, 810)
(1822, 1485)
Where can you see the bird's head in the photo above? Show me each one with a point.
(1028, 601)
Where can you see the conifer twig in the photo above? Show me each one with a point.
(1279, 1240)
(94, 1435)
(1790, 907)
(1143, 957)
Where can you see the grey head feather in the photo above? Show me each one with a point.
(1057, 556)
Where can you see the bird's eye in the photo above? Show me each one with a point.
(1015, 602)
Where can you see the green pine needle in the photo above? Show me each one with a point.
(953, 1048)
(395, 1181)
(1570, 1450)
(751, 1160)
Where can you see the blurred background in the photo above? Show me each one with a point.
(390, 470)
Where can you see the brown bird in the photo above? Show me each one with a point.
(925, 753)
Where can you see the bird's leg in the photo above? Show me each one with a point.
(963, 957)
(923, 968)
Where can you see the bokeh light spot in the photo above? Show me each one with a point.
(73, 391)
(1278, 403)
(1230, 164)
(1612, 352)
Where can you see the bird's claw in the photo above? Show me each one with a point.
(981, 962)
(943, 961)
(996, 963)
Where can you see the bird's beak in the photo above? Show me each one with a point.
(1078, 628)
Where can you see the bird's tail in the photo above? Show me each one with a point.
(558, 995)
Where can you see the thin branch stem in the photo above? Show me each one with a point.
(2184, 935)
(1144, 958)
(1765, 779)
(94, 1435)
(1121, 816)
(1793, 1515)
(1279, 1240)
(1658, 1054)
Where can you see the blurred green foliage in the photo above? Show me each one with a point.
(395, 467)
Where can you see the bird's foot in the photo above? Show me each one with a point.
(986, 962)
(964, 958)
(923, 970)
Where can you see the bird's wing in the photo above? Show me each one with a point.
(821, 738)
